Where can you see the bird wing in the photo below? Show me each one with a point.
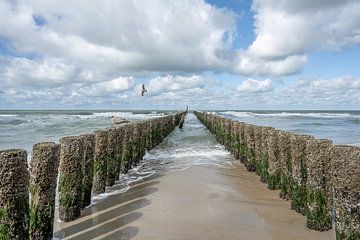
(143, 87)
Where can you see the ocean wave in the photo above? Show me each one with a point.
(8, 115)
(128, 115)
(238, 114)
(291, 114)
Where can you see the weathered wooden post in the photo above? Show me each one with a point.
(285, 164)
(299, 175)
(135, 136)
(250, 147)
(100, 161)
(242, 142)
(149, 135)
(43, 179)
(319, 153)
(127, 148)
(257, 149)
(70, 180)
(345, 166)
(14, 195)
(264, 172)
(111, 156)
(119, 143)
(236, 139)
(88, 168)
(274, 172)
(182, 120)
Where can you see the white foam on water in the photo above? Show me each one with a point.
(238, 114)
(355, 144)
(128, 115)
(8, 115)
(291, 114)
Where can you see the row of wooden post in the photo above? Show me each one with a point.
(315, 174)
(85, 165)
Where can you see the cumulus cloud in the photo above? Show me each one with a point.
(289, 28)
(254, 86)
(122, 35)
(172, 83)
(43, 73)
(82, 49)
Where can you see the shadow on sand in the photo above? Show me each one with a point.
(108, 219)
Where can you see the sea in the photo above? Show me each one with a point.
(22, 129)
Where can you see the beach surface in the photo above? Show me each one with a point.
(194, 190)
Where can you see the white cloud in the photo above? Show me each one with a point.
(254, 86)
(172, 83)
(340, 84)
(289, 28)
(143, 35)
(48, 72)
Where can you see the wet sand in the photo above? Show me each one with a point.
(201, 202)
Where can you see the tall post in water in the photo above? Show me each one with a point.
(111, 156)
(70, 180)
(43, 178)
(345, 166)
(100, 161)
(319, 153)
(14, 195)
(88, 168)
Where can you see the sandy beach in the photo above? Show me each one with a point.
(202, 202)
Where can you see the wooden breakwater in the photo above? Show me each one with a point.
(85, 164)
(316, 175)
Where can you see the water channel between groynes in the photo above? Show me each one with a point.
(189, 187)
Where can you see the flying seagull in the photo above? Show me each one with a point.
(143, 90)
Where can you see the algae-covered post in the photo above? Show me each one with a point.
(318, 184)
(250, 147)
(14, 195)
(43, 178)
(299, 176)
(100, 161)
(70, 180)
(136, 138)
(111, 156)
(126, 148)
(345, 166)
(257, 149)
(264, 172)
(285, 164)
(182, 120)
(274, 172)
(242, 153)
(119, 143)
(88, 167)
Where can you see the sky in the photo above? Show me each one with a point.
(234, 54)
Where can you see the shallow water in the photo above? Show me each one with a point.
(181, 149)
